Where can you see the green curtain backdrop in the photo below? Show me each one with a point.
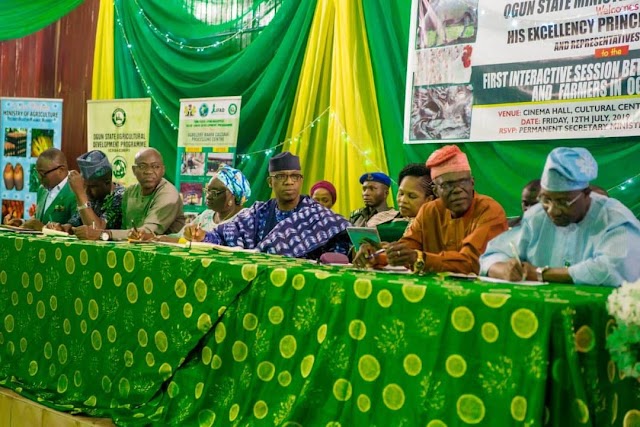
(501, 169)
(163, 52)
(21, 18)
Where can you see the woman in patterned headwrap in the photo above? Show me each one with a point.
(227, 191)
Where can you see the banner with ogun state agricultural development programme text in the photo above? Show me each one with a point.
(119, 128)
(29, 127)
(207, 139)
(490, 70)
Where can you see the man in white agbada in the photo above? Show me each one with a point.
(572, 235)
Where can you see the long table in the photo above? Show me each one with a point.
(146, 334)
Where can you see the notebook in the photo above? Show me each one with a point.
(360, 235)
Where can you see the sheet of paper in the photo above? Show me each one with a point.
(393, 269)
(228, 248)
(19, 230)
(523, 282)
(179, 245)
(51, 232)
(460, 276)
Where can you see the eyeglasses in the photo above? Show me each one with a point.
(283, 177)
(143, 167)
(43, 174)
(215, 193)
(561, 204)
(448, 186)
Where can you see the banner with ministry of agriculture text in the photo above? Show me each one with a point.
(119, 128)
(207, 139)
(29, 127)
(490, 70)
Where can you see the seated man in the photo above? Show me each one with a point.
(451, 232)
(375, 189)
(152, 206)
(55, 201)
(529, 198)
(572, 235)
(290, 224)
(99, 199)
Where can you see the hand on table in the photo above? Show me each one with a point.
(400, 254)
(513, 271)
(10, 220)
(84, 232)
(67, 228)
(194, 233)
(369, 256)
(33, 224)
(143, 235)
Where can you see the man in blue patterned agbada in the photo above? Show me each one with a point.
(289, 224)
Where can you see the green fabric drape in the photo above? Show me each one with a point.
(21, 18)
(265, 73)
(197, 25)
(500, 169)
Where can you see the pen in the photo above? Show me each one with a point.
(515, 253)
(378, 252)
(134, 227)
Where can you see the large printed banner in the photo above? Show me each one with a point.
(29, 127)
(119, 128)
(488, 70)
(207, 138)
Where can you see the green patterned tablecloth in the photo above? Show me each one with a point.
(161, 335)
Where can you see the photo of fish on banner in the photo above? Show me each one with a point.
(441, 112)
(446, 22)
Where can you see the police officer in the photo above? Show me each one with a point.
(375, 189)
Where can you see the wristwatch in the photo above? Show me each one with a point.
(540, 272)
(105, 236)
(418, 266)
(85, 205)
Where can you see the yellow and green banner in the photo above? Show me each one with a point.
(119, 128)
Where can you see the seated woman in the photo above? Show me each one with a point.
(324, 193)
(227, 191)
(415, 189)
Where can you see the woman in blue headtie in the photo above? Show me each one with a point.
(226, 193)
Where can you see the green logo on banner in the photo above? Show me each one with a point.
(119, 167)
(119, 117)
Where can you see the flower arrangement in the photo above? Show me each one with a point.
(624, 342)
